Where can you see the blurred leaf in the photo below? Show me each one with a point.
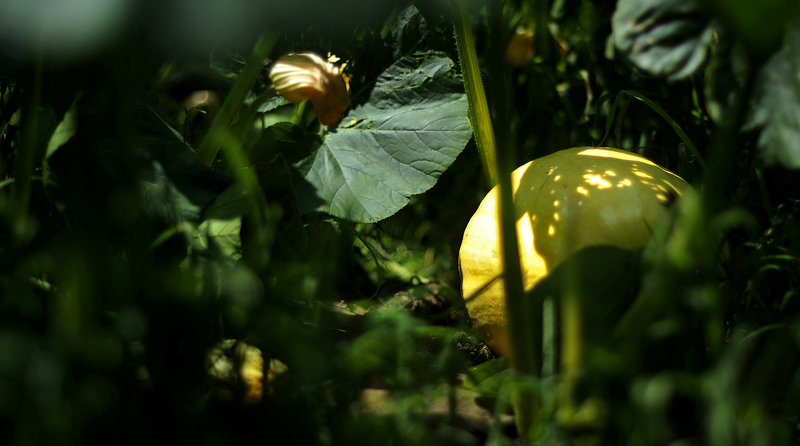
(487, 377)
(776, 108)
(758, 370)
(424, 301)
(174, 185)
(723, 76)
(664, 38)
(272, 103)
(162, 198)
(604, 277)
(394, 146)
(284, 138)
(231, 203)
(759, 24)
(225, 233)
(65, 130)
(275, 178)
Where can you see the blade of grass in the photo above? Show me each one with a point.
(610, 120)
(210, 145)
(245, 175)
(248, 115)
(261, 214)
(674, 124)
(618, 109)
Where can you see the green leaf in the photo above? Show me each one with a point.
(231, 203)
(487, 377)
(396, 145)
(408, 30)
(284, 138)
(162, 198)
(225, 233)
(272, 103)
(777, 104)
(664, 38)
(174, 186)
(760, 25)
(65, 130)
(724, 74)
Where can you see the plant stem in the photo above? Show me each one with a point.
(28, 151)
(210, 146)
(261, 214)
(476, 96)
(542, 37)
(572, 349)
(571, 331)
(499, 163)
(299, 113)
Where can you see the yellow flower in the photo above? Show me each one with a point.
(301, 76)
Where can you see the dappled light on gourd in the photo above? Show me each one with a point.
(564, 202)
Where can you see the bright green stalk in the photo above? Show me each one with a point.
(524, 360)
(209, 147)
(476, 96)
(571, 349)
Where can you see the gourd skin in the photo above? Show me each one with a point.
(564, 202)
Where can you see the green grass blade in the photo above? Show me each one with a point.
(209, 147)
(675, 126)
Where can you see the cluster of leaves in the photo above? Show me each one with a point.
(124, 260)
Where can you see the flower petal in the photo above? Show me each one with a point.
(302, 76)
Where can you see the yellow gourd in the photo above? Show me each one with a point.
(564, 202)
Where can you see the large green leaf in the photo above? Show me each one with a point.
(396, 145)
(777, 105)
(662, 37)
